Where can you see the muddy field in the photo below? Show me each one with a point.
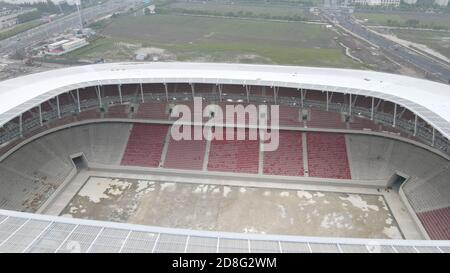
(234, 209)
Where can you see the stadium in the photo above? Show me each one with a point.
(88, 163)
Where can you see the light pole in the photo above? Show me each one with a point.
(79, 13)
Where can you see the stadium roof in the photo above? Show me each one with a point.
(429, 100)
(27, 232)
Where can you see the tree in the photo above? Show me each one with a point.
(412, 22)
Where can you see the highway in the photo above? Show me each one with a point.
(42, 32)
(438, 70)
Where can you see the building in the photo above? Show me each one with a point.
(65, 46)
(442, 3)
(8, 17)
(377, 2)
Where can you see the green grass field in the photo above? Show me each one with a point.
(436, 40)
(19, 28)
(244, 8)
(192, 38)
(400, 19)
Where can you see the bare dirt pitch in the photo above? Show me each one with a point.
(234, 209)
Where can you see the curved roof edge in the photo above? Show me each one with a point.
(43, 224)
(429, 100)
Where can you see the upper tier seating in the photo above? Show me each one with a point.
(117, 111)
(152, 110)
(324, 119)
(289, 116)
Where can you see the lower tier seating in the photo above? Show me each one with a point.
(145, 145)
(327, 155)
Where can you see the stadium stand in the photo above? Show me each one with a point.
(152, 110)
(145, 145)
(89, 114)
(327, 155)
(288, 158)
(186, 154)
(324, 119)
(361, 123)
(117, 111)
(47, 161)
(234, 155)
(437, 223)
(289, 116)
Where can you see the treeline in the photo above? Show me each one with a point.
(238, 14)
(287, 3)
(29, 16)
(50, 7)
(414, 23)
(420, 5)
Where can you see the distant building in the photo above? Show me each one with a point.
(411, 2)
(65, 46)
(378, 2)
(442, 3)
(8, 17)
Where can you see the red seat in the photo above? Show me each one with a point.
(327, 156)
(288, 158)
(145, 145)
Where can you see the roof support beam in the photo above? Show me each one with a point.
(415, 124)
(354, 101)
(20, 125)
(433, 137)
(78, 100)
(119, 87)
(192, 89)
(328, 102)
(378, 104)
(40, 114)
(247, 93)
(350, 105)
(302, 98)
(142, 92)
(401, 113)
(395, 115)
(99, 96)
(275, 94)
(220, 92)
(167, 91)
(372, 109)
(58, 107)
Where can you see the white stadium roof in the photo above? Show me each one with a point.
(27, 232)
(429, 100)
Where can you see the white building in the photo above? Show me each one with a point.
(411, 2)
(442, 3)
(378, 2)
(65, 46)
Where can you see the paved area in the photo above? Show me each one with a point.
(234, 208)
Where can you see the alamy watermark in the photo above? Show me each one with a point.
(227, 123)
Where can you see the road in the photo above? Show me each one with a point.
(430, 66)
(42, 32)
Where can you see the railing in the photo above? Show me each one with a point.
(423, 134)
